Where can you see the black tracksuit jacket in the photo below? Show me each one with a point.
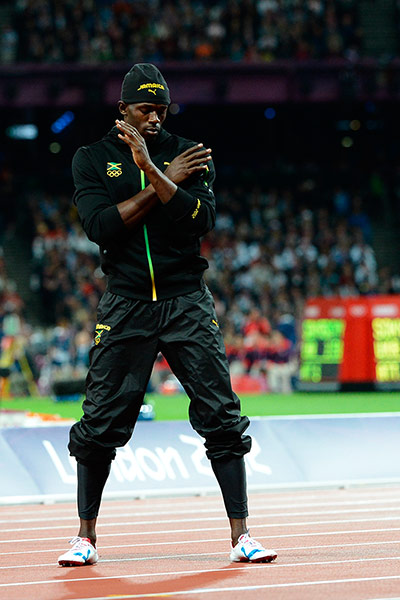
(160, 258)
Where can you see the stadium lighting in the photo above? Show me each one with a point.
(54, 147)
(174, 109)
(347, 142)
(355, 125)
(62, 122)
(27, 131)
(270, 113)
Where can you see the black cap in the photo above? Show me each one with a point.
(144, 83)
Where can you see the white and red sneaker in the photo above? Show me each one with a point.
(82, 553)
(249, 550)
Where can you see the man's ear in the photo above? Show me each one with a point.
(122, 107)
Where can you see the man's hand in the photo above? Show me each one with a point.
(193, 160)
(136, 143)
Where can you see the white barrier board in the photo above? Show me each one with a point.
(169, 457)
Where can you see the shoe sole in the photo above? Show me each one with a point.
(71, 563)
(265, 559)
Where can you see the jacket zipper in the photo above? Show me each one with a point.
(146, 241)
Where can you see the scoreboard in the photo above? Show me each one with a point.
(350, 342)
(386, 335)
(322, 349)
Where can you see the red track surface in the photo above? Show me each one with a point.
(336, 544)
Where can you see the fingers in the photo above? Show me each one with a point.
(196, 169)
(191, 150)
(195, 150)
(124, 126)
(128, 130)
(197, 165)
(199, 157)
(198, 160)
(127, 139)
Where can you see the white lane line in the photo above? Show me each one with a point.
(130, 576)
(206, 529)
(286, 497)
(136, 514)
(222, 517)
(141, 559)
(225, 540)
(260, 537)
(219, 508)
(195, 572)
(50, 514)
(208, 540)
(243, 588)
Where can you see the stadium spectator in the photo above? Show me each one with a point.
(10, 301)
(281, 364)
(251, 30)
(266, 256)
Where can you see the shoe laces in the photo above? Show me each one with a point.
(246, 539)
(78, 542)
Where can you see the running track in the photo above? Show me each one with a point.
(332, 544)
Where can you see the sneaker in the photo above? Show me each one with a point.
(249, 550)
(82, 553)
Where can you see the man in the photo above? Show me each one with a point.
(145, 196)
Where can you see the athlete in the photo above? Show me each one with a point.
(145, 197)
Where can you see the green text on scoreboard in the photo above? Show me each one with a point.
(321, 349)
(386, 334)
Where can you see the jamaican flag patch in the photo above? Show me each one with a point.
(114, 169)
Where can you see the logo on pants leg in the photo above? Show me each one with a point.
(99, 330)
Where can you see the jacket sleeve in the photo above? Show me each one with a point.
(193, 207)
(100, 218)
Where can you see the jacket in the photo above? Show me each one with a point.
(160, 258)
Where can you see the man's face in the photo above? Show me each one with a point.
(146, 117)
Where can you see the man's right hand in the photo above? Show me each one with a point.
(193, 160)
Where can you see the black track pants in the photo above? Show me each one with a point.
(129, 335)
(92, 477)
(231, 476)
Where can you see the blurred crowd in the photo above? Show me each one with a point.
(269, 254)
(266, 256)
(89, 31)
(273, 246)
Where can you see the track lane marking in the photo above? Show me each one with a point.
(272, 565)
(260, 537)
(245, 588)
(141, 559)
(55, 507)
(223, 517)
(206, 529)
(205, 541)
(206, 510)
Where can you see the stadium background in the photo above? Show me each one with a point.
(298, 101)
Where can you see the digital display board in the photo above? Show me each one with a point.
(321, 349)
(386, 334)
(347, 342)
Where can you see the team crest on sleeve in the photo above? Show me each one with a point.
(114, 169)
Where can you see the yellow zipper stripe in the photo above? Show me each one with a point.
(146, 241)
